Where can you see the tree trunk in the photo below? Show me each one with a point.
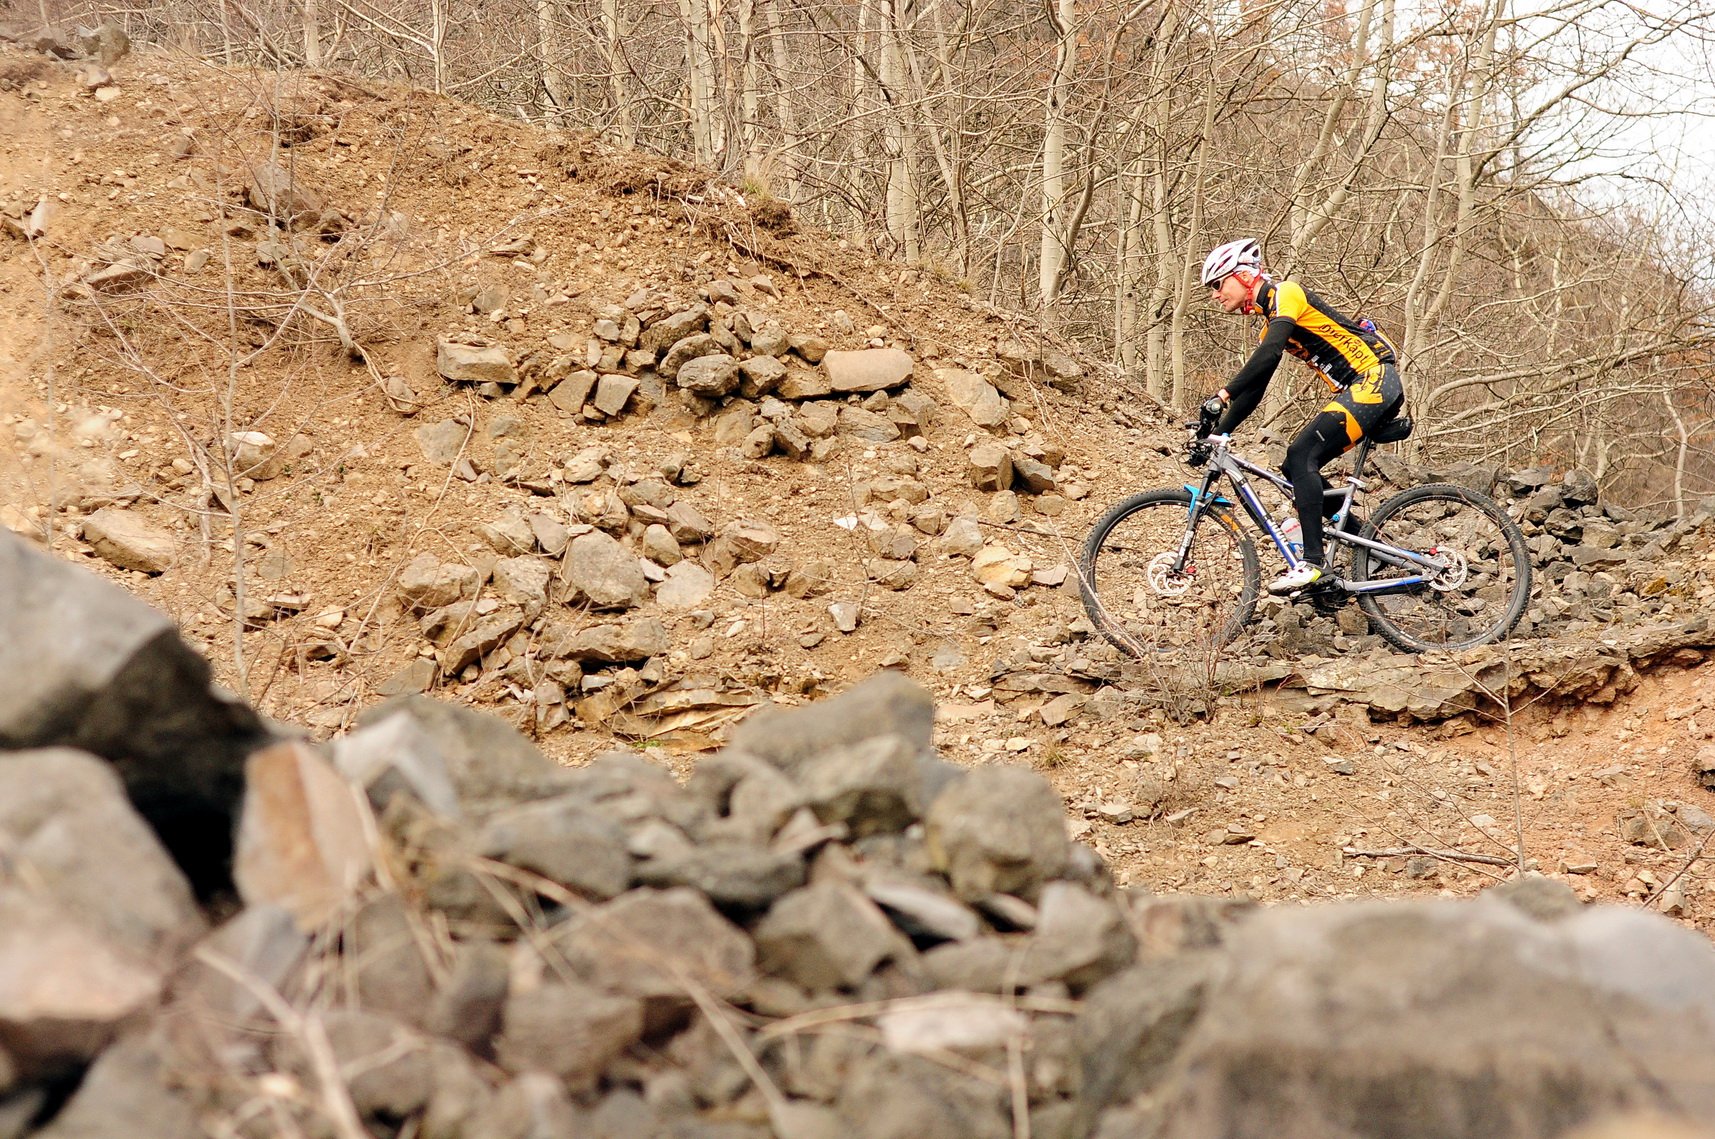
(624, 123)
(902, 223)
(1128, 281)
(945, 138)
(864, 107)
(437, 41)
(312, 36)
(1682, 452)
(1309, 215)
(1466, 170)
(749, 98)
(699, 80)
(548, 57)
(1055, 257)
(785, 107)
(1196, 236)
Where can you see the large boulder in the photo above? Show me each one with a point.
(600, 571)
(474, 360)
(976, 397)
(68, 830)
(1439, 1019)
(303, 840)
(66, 990)
(130, 541)
(867, 370)
(89, 666)
(998, 830)
(487, 759)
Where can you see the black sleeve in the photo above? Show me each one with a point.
(1244, 390)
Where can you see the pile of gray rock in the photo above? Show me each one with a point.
(717, 347)
(605, 536)
(770, 388)
(1600, 564)
(767, 389)
(426, 927)
(105, 43)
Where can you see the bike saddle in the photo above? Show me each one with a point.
(1393, 430)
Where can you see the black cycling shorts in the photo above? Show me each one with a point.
(1373, 400)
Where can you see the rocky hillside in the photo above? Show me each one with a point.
(374, 394)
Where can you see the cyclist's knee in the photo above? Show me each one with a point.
(1300, 460)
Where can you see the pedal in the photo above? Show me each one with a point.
(1326, 595)
(1327, 604)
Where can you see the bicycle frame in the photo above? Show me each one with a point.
(1223, 462)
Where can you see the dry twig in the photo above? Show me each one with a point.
(1449, 855)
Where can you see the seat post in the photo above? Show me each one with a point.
(1358, 460)
(1390, 430)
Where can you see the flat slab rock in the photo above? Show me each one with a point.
(1433, 687)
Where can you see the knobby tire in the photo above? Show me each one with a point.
(1483, 607)
(1141, 608)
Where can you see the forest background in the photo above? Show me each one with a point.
(1488, 183)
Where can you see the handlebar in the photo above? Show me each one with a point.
(1203, 446)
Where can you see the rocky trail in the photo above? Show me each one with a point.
(376, 394)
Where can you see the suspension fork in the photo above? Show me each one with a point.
(1201, 498)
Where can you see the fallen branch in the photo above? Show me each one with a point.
(1661, 891)
(1450, 855)
(311, 1034)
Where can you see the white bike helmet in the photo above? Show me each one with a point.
(1226, 259)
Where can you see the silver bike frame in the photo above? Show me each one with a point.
(1235, 467)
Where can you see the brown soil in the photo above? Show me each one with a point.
(431, 188)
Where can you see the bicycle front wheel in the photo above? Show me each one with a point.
(1140, 602)
(1477, 595)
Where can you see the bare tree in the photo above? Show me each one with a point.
(1433, 168)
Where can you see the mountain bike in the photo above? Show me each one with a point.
(1437, 566)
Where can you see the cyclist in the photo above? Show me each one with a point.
(1355, 361)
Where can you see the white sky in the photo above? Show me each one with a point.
(1662, 118)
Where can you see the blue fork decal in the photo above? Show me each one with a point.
(1218, 500)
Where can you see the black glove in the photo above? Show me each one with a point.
(1209, 414)
(1197, 452)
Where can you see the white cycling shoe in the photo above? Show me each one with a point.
(1299, 577)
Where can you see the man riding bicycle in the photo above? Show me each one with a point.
(1355, 361)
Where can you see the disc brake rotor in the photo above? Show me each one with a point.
(1164, 582)
(1455, 573)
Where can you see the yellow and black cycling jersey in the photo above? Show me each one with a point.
(1343, 350)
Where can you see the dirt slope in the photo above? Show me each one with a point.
(120, 398)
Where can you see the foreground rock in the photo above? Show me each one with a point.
(1324, 1021)
(90, 667)
(825, 931)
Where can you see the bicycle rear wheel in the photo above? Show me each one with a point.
(1132, 593)
(1480, 594)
